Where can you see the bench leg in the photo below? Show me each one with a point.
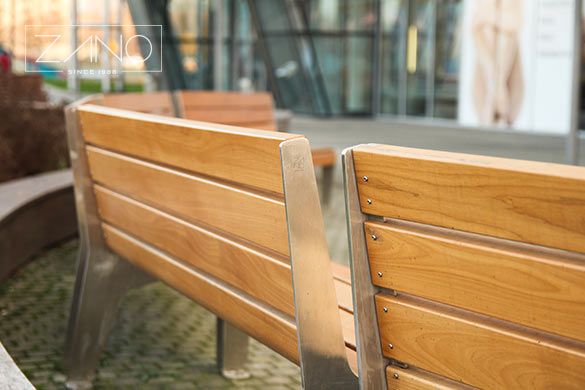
(102, 280)
(232, 351)
(327, 183)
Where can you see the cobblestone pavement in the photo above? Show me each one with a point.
(161, 339)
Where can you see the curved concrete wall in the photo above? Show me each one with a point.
(35, 212)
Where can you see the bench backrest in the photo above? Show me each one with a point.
(159, 102)
(473, 266)
(254, 110)
(228, 216)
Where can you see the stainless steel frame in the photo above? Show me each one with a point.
(322, 351)
(232, 351)
(102, 277)
(371, 362)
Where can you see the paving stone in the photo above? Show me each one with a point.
(161, 340)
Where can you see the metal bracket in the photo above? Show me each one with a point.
(322, 350)
(371, 362)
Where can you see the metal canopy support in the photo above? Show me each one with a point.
(302, 56)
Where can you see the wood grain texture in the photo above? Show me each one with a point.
(259, 275)
(530, 288)
(264, 325)
(477, 353)
(275, 330)
(246, 156)
(537, 203)
(414, 379)
(250, 216)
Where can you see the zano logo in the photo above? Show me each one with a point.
(101, 49)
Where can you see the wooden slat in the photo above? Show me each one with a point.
(481, 354)
(259, 275)
(324, 157)
(246, 156)
(344, 298)
(151, 102)
(414, 379)
(525, 201)
(198, 100)
(348, 328)
(231, 116)
(256, 218)
(530, 288)
(264, 325)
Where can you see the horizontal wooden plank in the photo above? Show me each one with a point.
(250, 216)
(246, 156)
(151, 102)
(415, 379)
(475, 352)
(344, 297)
(348, 328)
(324, 157)
(231, 116)
(264, 325)
(531, 288)
(263, 277)
(526, 201)
(197, 100)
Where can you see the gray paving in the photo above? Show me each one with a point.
(161, 339)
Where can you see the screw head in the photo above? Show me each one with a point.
(385, 310)
(365, 178)
(369, 201)
(380, 274)
(374, 237)
(395, 375)
(390, 345)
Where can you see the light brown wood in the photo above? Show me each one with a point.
(267, 326)
(324, 157)
(246, 156)
(250, 216)
(415, 379)
(344, 297)
(348, 328)
(475, 352)
(235, 117)
(201, 100)
(259, 275)
(511, 283)
(152, 102)
(230, 108)
(526, 201)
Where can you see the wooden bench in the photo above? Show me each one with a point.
(228, 216)
(254, 110)
(473, 268)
